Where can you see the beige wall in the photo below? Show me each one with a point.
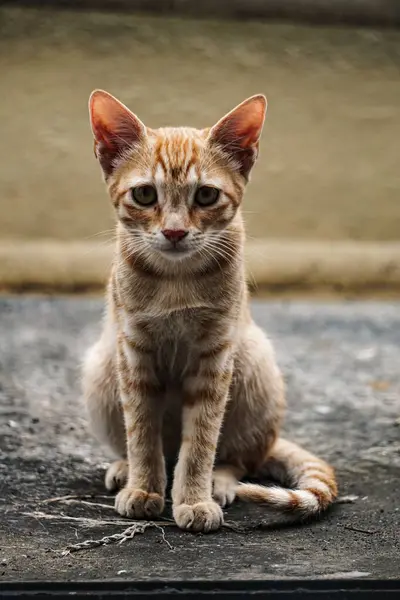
(329, 165)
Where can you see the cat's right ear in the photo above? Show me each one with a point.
(115, 128)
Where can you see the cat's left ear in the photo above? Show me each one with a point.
(238, 133)
(115, 128)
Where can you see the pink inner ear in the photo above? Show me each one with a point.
(248, 133)
(243, 124)
(113, 124)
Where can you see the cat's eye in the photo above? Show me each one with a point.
(145, 195)
(206, 195)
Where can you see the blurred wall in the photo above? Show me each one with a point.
(367, 12)
(329, 164)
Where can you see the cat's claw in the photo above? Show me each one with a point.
(203, 516)
(138, 504)
(116, 475)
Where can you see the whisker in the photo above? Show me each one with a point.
(103, 244)
(219, 252)
(100, 233)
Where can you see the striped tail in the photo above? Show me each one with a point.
(312, 481)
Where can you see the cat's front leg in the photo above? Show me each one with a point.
(205, 398)
(143, 495)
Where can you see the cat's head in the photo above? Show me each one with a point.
(176, 191)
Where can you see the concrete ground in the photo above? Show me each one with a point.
(342, 371)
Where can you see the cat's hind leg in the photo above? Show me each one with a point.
(101, 396)
(116, 475)
(225, 483)
(251, 436)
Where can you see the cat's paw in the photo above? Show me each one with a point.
(203, 516)
(224, 488)
(116, 475)
(138, 504)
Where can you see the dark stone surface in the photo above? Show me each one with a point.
(341, 363)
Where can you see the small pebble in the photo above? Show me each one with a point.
(350, 499)
(366, 354)
(323, 410)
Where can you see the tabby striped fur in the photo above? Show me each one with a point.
(181, 372)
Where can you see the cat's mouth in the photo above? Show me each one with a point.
(179, 250)
(176, 250)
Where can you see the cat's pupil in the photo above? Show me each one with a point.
(206, 195)
(144, 195)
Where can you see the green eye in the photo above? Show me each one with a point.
(206, 195)
(145, 195)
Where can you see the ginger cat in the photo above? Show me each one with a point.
(181, 372)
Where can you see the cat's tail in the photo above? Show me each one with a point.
(311, 484)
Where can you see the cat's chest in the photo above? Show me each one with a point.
(174, 343)
(171, 339)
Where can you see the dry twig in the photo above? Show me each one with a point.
(37, 514)
(76, 497)
(86, 503)
(136, 527)
(127, 534)
(360, 529)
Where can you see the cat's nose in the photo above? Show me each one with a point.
(174, 235)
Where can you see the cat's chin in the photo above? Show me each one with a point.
(176, 257)
(176, 254)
